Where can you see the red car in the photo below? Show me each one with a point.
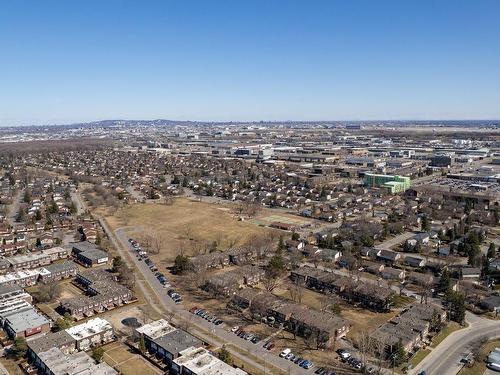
(193, 309)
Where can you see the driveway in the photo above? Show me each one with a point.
(391, 242)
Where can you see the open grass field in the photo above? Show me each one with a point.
(120, 358)
(267, 218)
(187, 224)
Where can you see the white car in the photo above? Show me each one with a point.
(235, 328)
(285, 352)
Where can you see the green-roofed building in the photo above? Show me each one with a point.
(394, 184)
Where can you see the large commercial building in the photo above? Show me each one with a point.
(394, 184)
(443, 161)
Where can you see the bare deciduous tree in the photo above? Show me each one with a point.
(297, 291)
(271, 282)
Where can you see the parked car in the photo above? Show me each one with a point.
(255, 339)
(285, 352)
(307, 365)
(344, 354)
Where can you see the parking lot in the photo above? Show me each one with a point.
(258, 339)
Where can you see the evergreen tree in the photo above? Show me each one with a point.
(181, 264)
(20, 347)
(225, 355)
(425, 224)
(444, 282)
(398, 354)
(456, 302)
(142, 344)
(491, 250)
(27, 196)
(97, 354)
(281, 244)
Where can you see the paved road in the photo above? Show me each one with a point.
(3, 370)
(80, 206)
(217, 335)
(391, 242)
(445, 359)
(14, 207)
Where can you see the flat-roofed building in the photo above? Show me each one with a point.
(58, 271)
(56, 362)
(56, 253)
(20, 278)
(88, 254)
(92, 333)
(25, 322)
(13, 292)
(169, 346)
(155, 329)
(103, 293)
(29, 261)
(199, 361)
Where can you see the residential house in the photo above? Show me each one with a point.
(414, 261)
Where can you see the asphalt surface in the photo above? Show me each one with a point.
(217, 335)
(445, 358)
(14, 207)
(391, 242)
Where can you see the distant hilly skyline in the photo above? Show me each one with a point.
(167, 122)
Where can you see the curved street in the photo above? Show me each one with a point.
(445, 358)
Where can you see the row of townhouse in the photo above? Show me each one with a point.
(181, 352)
(88, 254)
(220, 259)
(13, 248)
(324, 327)
(64, 351)
(411, 327)
(228, 283)
(374, 296)
(52, 272)
(33, 260)
(103, 293)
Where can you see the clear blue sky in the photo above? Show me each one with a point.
(67, 61)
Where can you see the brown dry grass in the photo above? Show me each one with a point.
(186, 224)
(479, 366)
(118, 356)
(136, 366)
